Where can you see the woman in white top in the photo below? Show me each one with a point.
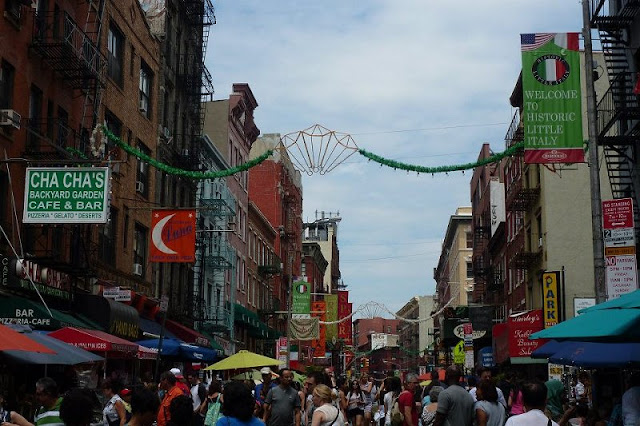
(394, 387)
(325, 414)
(114, 413)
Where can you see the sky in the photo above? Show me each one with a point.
(421, 82)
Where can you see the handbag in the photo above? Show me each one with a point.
(213, 412)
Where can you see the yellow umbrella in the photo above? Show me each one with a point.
(254, 375)
(244, 359)
(425, 383)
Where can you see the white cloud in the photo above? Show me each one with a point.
(375, 69)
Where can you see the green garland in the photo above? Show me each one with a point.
(76, 153)
(181, 172)
(441, 169)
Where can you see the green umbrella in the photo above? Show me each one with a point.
(254, 375)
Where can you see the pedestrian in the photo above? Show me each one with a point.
(515, 398)
(239, 404)
(198, 393)
(125, 394)
(485, 373)
(355, 404)
(429, 411)
(10, 418)
(144, 407)
(343, 388)
(263, 388)
(631, 401)
(282, 405)
(394, 388)
(370, 390)
(181, 410)
(211, 407)
(171, 391)
(534, 396)
(113, 413)
(180, 381)
(489, 412)
(455, 404)
(406, 400)
(326, 413)
(556, 397)
(308, 407)
(76, 408)
(47, 395)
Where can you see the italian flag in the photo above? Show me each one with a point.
(569, 41)
(551, 69)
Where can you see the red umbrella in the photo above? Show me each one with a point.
(13, 341)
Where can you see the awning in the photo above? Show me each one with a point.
(215, 345)
(94, 340)
(245, 316)
(65, 354)
(186, 334)
(152, 327)
(18, 310)
(147, 353)
(181, 350)
(605, 324)
(117, 318)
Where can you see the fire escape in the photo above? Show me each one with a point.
(481, 259)
(619, 110)
(74, 54)
(214, 257)
(194, 77)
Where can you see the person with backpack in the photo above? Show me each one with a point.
(394, 388)
(406, 401)
(212, 404)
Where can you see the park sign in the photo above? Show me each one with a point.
(66, 195)
(552, 99)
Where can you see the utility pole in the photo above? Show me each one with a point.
(594, 170)
(289, 308)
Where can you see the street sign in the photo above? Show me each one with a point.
(617, 213)
(66, 195)
(619, 237)
(117, 294)
(621, 275)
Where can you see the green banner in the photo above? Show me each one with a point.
(331, 303)
(301, 298)
(552, 98)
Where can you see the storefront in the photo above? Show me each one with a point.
(114, 317)
(18, 310)
(511, 341)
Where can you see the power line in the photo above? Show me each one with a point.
(385, 258)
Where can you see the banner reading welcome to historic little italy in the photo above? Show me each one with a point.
(552, 101)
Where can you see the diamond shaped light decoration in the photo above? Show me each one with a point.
(318, 149)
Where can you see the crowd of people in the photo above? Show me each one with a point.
(324, 400)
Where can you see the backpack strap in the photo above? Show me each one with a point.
(549, 422)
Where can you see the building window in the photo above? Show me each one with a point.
(115, 47)
(7, 75)
(142, 172)
(107, 239)
(469, 270)
(469, 240)
(145, 89)
(140, 250)
(125, 236)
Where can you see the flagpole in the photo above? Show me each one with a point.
(594, 169)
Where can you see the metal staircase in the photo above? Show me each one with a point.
(619, 108)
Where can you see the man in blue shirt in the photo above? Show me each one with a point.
(262, 389)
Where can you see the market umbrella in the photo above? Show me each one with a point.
(605, 325)
(65, 354)
(597, 354)
(179, 349)
(627, 301)
(244, 359)
(546, 350)
(425, 383)
(300, 378)
(254, 375)
(11, 340)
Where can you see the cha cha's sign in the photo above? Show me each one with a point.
(66, 195)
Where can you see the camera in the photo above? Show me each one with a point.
(5, 416)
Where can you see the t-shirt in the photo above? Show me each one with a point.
(284, 402)
(232, 421)
(501, 400)
(258, 391)
(198, 394)
(164, 415)
(406, 400)
(331, 413)
(530, 418)
(49, 416)
(631, 406)
(495, 412)
(456, 405)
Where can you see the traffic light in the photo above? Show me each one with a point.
(366, 363)
(362, 363)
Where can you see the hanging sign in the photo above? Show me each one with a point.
(551, 298)
(173, 236)
(552, 110)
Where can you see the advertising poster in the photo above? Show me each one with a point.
(173, 236)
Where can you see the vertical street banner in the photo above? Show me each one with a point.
(301, 305)
(551, 298)
(318, 346)
(173, 236)
(344, 312)
(552, 99)
(331, 301)
(350, 325)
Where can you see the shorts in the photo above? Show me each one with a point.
(352, 412)
(367, 408)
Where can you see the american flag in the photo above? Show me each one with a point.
(534, 41)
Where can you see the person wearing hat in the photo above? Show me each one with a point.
(262, 389)
(180, 381)
(125, 394)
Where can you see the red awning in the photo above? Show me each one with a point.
(94, 340)
(147, 353)
(186, 334)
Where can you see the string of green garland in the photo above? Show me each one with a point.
(441, 169)
(181, 172)
(76, 153)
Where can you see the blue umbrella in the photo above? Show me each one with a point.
(596, 354)
(546, 350)
(179, 349)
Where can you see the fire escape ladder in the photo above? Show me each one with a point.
(619, 108)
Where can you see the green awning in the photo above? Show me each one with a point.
(215, 345)
(245, 316)
(18, 310)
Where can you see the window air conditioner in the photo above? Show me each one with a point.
(540, 242)
(139, 186)
(9, 117)
(137, 269)
(166, 133)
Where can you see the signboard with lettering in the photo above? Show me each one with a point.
(173, 236)
(580, 303)
(551, 298)
(66, 195)
(552, 110)
(48, 281)
(617, 213)
(498, 211)
(521, 326)
(301, 307)
(621, 275)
